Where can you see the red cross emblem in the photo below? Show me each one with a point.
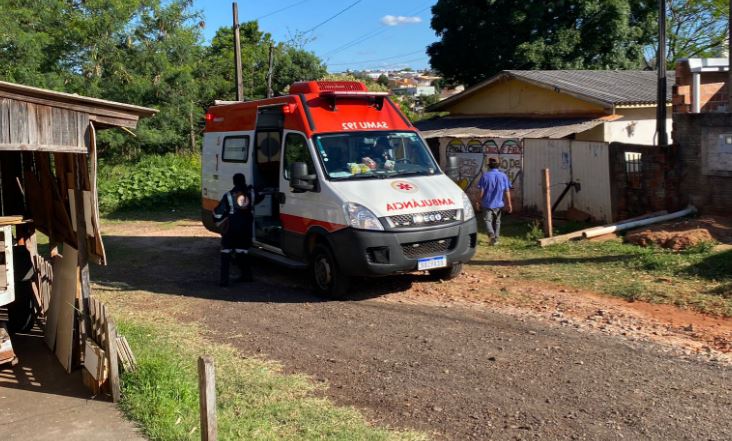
(404, 186)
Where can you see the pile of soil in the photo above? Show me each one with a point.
(682, 234)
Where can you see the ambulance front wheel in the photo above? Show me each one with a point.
(448, 273)
(328, 279)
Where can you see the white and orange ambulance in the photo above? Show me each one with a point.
(351, 187)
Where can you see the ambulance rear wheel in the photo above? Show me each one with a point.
(448, 273)
(328, 279)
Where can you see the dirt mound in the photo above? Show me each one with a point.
(674, 240)
(683, 234)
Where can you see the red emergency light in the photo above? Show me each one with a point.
(317, 87)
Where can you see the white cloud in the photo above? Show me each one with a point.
(396, 20)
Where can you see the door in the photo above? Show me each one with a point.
(296, 206)
(267, 159)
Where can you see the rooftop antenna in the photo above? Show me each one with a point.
(237, 54)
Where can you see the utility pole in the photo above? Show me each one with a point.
(237, 54)
(661, 64)
(270, 71)
(729, 58)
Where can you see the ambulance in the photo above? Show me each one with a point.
(351, 188)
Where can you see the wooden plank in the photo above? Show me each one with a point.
(26, 147)
(207, 398)
(110, 344)
(19, 122)
(4, 121)
(66, 280)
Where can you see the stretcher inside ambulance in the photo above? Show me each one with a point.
(351, 187)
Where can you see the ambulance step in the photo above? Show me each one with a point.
(277, 258)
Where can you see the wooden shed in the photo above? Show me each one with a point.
(48, 183)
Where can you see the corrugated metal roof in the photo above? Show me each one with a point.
(607, 87)
(615, 87)
(553, 128)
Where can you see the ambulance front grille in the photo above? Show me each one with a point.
(420, 219)
(427, 248)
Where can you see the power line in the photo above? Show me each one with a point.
(332, 17)
(281, 9)
(378, 59)
(393, 65)
(368, 35)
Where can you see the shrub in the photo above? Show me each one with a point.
(156, 181)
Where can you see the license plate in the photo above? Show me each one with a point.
(431, 263)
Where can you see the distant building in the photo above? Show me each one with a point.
(415, 91)
(701, 85)
(586, 105)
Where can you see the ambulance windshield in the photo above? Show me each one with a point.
(374, 155)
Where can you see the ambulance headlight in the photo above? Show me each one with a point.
(468, 212)
(361, 217)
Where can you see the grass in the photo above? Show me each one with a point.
(699, 278)
(255, 401)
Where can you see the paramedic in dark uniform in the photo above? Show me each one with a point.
(236, 209)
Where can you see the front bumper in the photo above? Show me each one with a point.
(379, 253)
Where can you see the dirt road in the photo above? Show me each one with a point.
(456, 371)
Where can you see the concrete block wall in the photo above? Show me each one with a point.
(658, 189)
(709, 192)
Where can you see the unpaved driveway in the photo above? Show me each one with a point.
(459, 372)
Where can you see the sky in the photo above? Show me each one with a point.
(346, 34)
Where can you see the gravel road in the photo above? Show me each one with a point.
(456, 372)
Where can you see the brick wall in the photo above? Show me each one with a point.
(708, 189)
(649, 185)
(713, 97)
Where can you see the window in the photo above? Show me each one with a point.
(373, 155)
(236, 149)
(633, 169)
(296, 150)
(268, 147)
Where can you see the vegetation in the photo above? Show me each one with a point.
(696, 28)
(254, 399)
(699, 278)
(556, 34)
(154, 181)
(561, 34)
(144, 52)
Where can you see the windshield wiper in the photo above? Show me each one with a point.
(412, 173)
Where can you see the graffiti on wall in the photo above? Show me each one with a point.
(473, 155)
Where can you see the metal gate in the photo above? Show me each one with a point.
(586, 163)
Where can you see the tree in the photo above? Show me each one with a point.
(383, 80)
(479, 38)
(696, 28)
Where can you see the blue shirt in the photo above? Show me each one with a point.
(494, 184)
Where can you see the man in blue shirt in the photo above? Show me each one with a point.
(494, 189)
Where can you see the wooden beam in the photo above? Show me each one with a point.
(43, 148)
(207, 398)
(548, 227)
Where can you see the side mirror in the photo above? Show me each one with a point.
(300, 180)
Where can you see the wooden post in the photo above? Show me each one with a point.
(547, 204)
(207, 397)
(110, 347)
(237, 54)
(270, 71)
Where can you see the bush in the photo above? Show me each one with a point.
(156, 181)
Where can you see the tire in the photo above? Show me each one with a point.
(328, 280)
(447, 273)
